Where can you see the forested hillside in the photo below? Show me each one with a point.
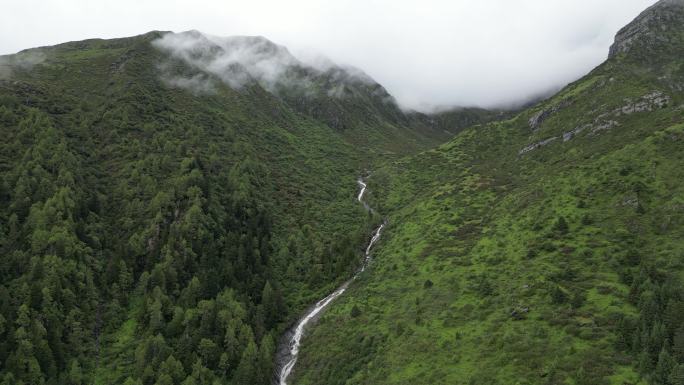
(544, 249)
(161, 225)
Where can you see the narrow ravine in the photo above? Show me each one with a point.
(289, 350)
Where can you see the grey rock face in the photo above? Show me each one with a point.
(646, 103)
(537, 145)
(603, 122)
(604, 126)
(537, 119)
(651, 28)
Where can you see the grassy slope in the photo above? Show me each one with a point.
(471, 240)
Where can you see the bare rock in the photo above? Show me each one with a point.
(646, 103)
(537, 145)
(538, 118)
(651, 29)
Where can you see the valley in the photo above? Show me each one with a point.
(292, 339)
(186, 209)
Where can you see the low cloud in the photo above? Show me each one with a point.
(435, 53)
(23, 61)
(238, 61)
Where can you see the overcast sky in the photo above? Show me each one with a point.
(426, 52)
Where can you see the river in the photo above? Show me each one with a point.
(289, 351)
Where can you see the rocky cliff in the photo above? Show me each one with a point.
(655, 28)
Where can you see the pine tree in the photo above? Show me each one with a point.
(265, 365)
(231, 346)
(224, 363)
(164, 379)
(75, 373)
(173, 368)
(132, 381)
(191, 293)
(26, 367)
(246, 370)
(268, 300)
(664, 368)
(657, 341)
(156, 317)
(125, 280)
(200, 374)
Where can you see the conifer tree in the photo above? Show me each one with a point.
(245, 374)
(663, 368)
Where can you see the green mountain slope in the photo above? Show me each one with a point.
(162, 224)
(545, 249)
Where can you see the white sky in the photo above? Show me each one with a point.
(426, 52)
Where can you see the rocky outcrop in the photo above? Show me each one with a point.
(538, 118)
(606, 121)
(596, 126)
(651, 29)
(603, 126)
(646, 103)
(537, 145)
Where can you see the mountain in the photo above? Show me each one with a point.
(340, 97)
(172, 202)
(541, 249)
(652, 34)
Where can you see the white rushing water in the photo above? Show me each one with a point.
(298, 333)
(363, 190)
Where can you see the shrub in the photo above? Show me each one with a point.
(561, 227)
(558, 296)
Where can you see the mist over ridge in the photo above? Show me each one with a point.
(459, 53)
